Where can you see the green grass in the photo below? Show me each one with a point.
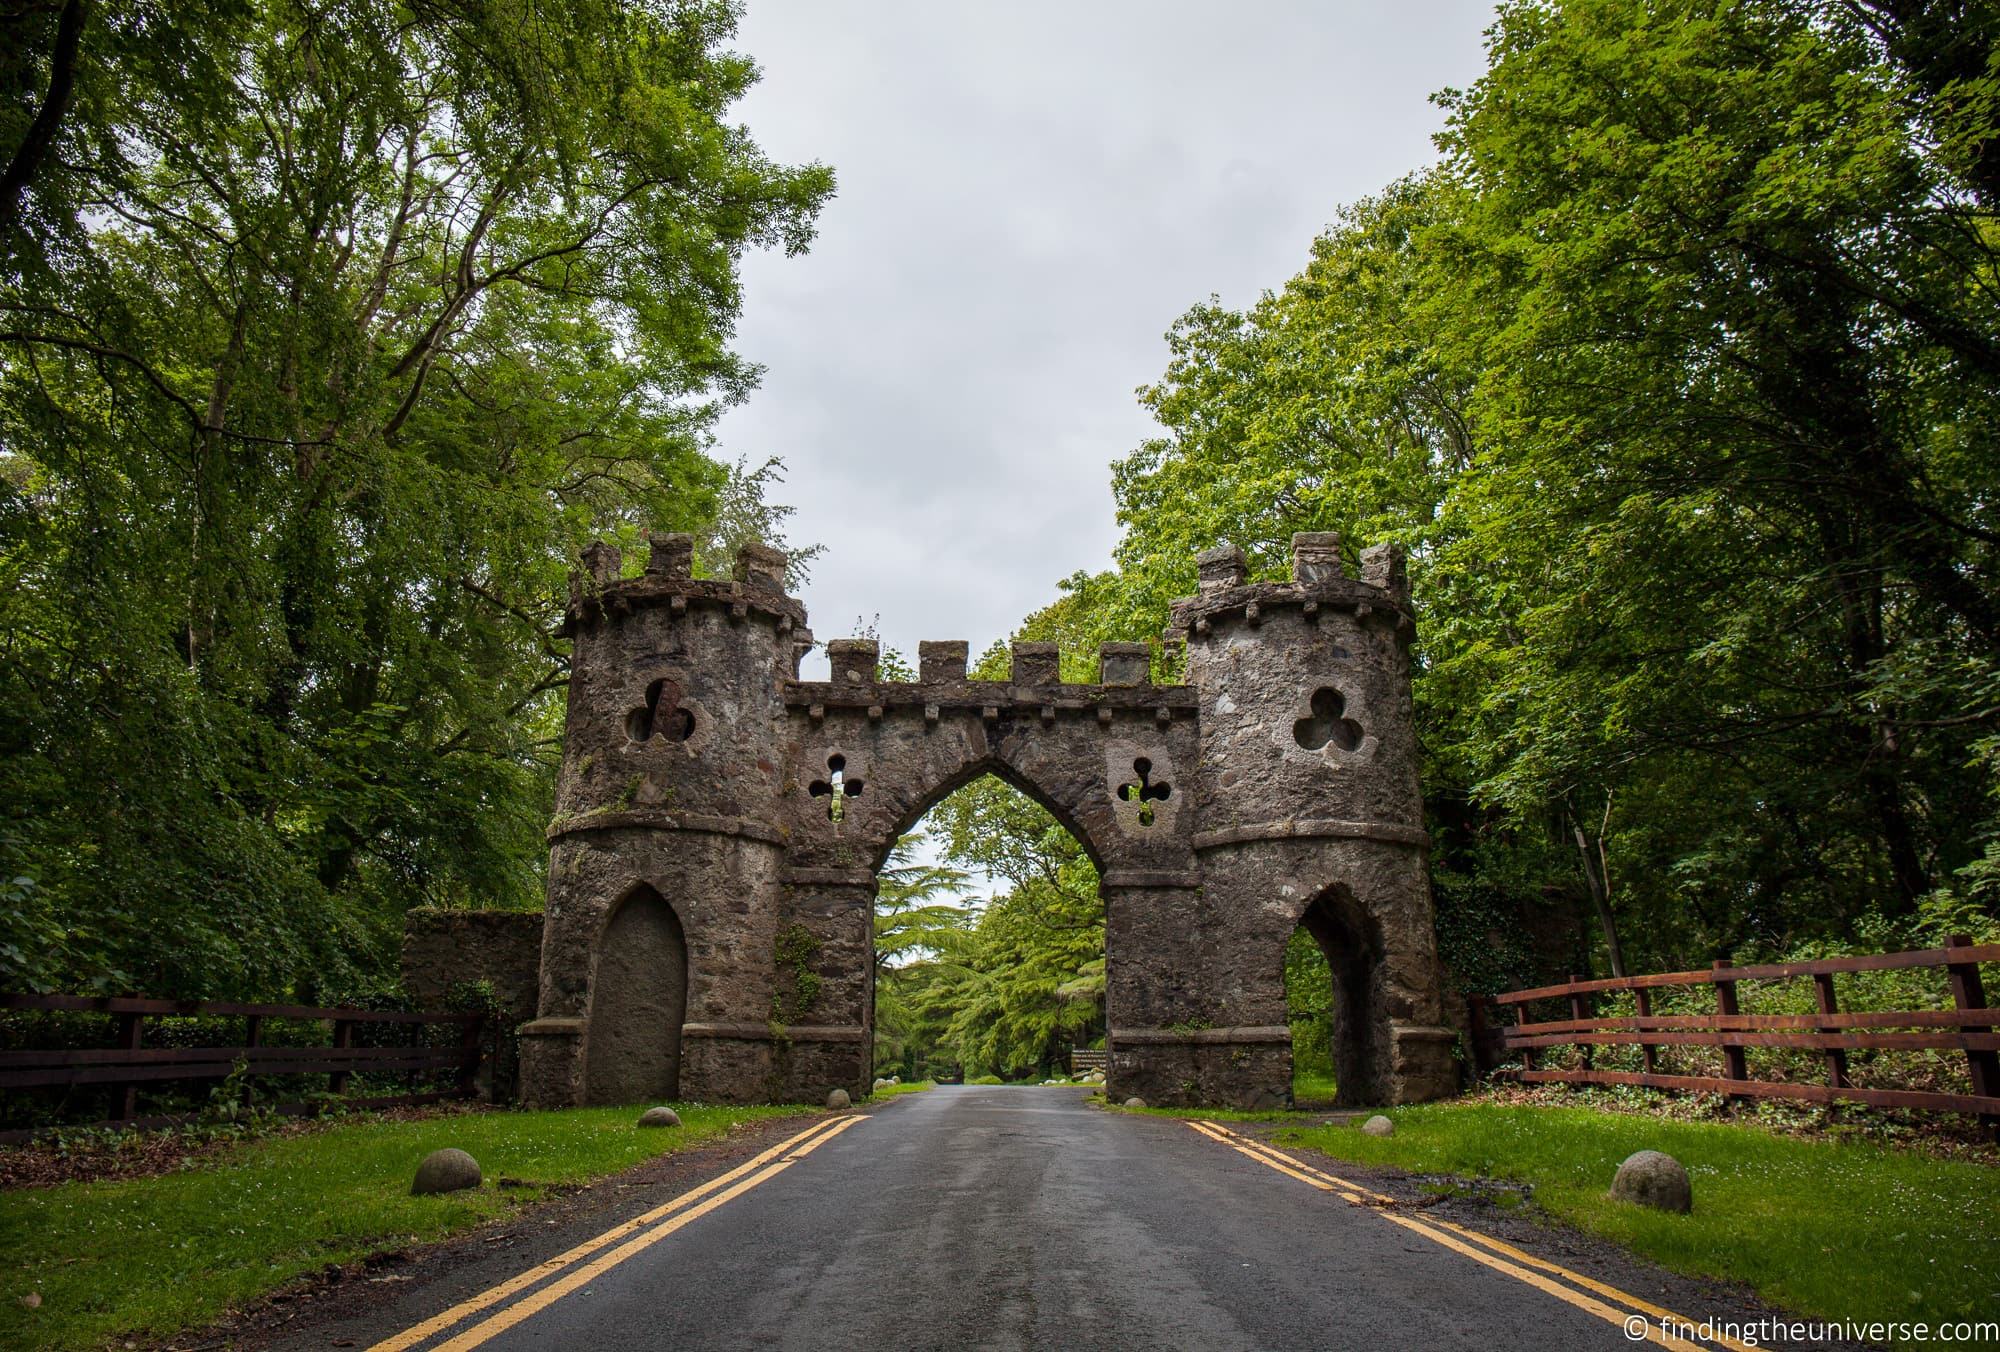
(914, 1087)
(1312, 1086)
(1840, 1230)
(148, 1257)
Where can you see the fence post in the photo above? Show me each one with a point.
(1579, 1010)
(253, 1036)
(343, 1038)
(1836, 1059)
(1968, 993)
(129, 1033)
(1642, 1000)
(468, 1057)
(1734, 1065)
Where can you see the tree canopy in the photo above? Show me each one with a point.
(330, 333)
(1001, 985)
(1676, 377)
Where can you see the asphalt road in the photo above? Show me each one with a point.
(1021, 1218)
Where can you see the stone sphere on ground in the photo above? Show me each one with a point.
(659, 1117)
(1379, 1125)
(838, 1099)
(447, 1170)
(1650, 1178)
(879, 1086)
(1135, 1102)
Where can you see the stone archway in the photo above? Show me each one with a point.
(914, 807)
(1216, 812)
(1042, 880)
(632, 1049)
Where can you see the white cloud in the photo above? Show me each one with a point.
(1029, 195)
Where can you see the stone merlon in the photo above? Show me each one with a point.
(672, 555)
(941, 660)
(761, 566)
(855, 660)
(1220, 568)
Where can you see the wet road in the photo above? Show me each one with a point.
(1016, 1218)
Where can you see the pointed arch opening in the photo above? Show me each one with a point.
(989, 937)
(638, 1001)
(1011, 777)
(1333, 997)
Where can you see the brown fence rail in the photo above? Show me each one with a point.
(129, 1064)
(1970, 1026)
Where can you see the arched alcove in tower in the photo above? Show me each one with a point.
(632, 1049)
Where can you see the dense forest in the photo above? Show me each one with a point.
(331, 333)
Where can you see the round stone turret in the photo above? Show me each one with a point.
(1305, 708)
(1311, 815)
(666, 847)
(673, 698)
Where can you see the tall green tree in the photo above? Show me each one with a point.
(1738, 336)
(921, 921)
(328, 334)
(1001, 985)
(1674, 378)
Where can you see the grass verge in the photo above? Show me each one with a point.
(914, 1087)
(1837, 1230)
(1313, 1086)
(147, 1257)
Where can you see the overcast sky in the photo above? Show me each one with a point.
(1029, 195)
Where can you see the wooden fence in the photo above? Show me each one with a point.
(129, 1064)
(1969, 1027)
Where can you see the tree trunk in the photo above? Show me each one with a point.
(1597, 881)
(41, 135)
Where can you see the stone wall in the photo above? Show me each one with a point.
(443, 950)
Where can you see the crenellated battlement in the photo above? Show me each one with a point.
(597, 591)
(857, 662)
(1033, 685)
(1319, 583)
(1068, 697)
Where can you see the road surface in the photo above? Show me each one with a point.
(1018, 1217)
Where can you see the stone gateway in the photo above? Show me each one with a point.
(720, 822)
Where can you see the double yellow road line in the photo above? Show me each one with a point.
(577, 1267)
(1604, 1301)
(522, 1296)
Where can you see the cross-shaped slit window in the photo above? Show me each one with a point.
(836, 788)
(1144, 791)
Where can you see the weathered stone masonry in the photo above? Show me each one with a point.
(720, 824)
